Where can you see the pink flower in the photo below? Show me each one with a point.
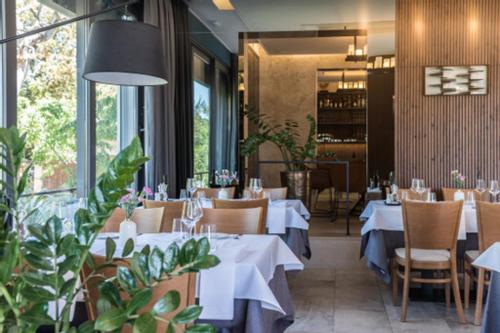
(147, 190)
(462, 178)
(125, 198)
(130, 190)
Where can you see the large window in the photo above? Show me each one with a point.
(74, 128)
(214, 122)
(107, 125)
(46, 102)
(201, 119)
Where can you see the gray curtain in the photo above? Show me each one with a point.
(160, 135)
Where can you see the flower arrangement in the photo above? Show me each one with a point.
(225, 178)
(132, 199)
(458, 179)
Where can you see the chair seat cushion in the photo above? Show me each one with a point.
(425, 255)
(472, 255)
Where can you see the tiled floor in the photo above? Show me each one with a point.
(337, 293)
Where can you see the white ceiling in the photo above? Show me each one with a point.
(291, 15)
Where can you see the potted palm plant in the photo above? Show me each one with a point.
(285, 137)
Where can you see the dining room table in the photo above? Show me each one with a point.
(287, 218)
(247, 291)
(490, 260)
(382, 233)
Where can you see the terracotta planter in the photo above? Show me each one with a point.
(297, 183)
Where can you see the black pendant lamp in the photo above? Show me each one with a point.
(126, 53)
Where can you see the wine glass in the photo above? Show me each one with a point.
(183, 195)
(256, 186)
(480, 187)
(420, 188)
(494, 189)
(414, 184)
(179, 230)
(191, 186)
(210, 232)
(193, 212)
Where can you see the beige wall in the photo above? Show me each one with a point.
(288, 86)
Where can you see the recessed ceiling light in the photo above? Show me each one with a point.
(223, 4)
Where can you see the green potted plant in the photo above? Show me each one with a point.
(40, 264)
(285, 137)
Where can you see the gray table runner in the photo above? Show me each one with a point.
(250, 317)
(491, 314)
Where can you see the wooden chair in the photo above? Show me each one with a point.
(242, 204)
(488, 224)
(278, 193)
(171, 210)
(184, 284)
(211, 193)
(234, 221)
(148, 220)
(430, 233)
(449, 194)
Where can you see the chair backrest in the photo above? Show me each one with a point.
(234, 221)
(241, 204)
(412, 195)
(211, 193)
(431, 225)
(319, 179)
(147, 220)
(278, 193)
(171, 210)
(449, 194)
(184, 284)
(488, 224)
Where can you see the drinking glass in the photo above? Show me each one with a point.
(267, 195)
(469, 198)
(193, 212)
(256, 186)
(432, 196)
(246, 195)
(178, 229)
(191, 186)
(414, 184)
(201, 195)
(183, 195)
(210, 232)
(494, 189)
(404, 195)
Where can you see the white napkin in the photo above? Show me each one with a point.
(217, 284)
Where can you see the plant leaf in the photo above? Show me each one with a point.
(146, 323)
(200, 328)
(110, 248)
(128, 248)
(167, 303)
(187, 315)
(156, 263)
(111, 320)
(140, 300)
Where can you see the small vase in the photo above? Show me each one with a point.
(223, 194)
(459, 195)
(128, 230)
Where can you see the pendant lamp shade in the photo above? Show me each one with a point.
(126, 53)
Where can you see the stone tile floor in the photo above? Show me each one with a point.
(337, 293)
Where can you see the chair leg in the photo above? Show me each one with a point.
(406, 293)
(479, 297)
(456, 292)
(467, 273)
(395, 282)
(447, 294)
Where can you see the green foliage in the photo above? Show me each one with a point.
(284, 136)
(201, 136)
(40, 264)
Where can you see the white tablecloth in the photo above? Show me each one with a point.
(490, 258)
(379, 216)
(247, 266)
(282, 214)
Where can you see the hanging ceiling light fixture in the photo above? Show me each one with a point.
(125, 53)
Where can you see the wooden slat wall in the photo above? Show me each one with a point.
(436, 134)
